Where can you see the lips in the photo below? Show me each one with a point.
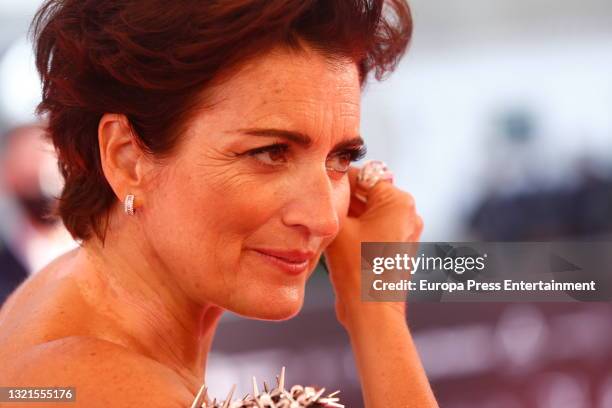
(292, 262)
(293, 256)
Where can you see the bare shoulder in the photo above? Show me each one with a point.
(104, 374)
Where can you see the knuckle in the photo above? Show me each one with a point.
(419, 222)
(415, 229)
(384, 192)
(405, 200)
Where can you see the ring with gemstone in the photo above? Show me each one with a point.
(371, 173)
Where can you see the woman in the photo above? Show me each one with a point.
(206, 150)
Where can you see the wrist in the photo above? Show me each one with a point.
(370, 315)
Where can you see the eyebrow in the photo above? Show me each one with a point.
(300, 138)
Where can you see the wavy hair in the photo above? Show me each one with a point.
(151, 61)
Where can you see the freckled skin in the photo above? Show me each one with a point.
(162, 274)
(134, 318)
(215, 205)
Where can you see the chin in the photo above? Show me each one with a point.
(281, 308)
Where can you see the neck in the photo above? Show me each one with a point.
(139, 296)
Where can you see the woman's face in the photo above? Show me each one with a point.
(257, 188)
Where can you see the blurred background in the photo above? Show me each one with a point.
(498, 121)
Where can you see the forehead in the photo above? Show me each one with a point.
(291, 85)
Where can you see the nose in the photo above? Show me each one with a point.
(314, 205)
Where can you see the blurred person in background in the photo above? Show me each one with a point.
(29, 236)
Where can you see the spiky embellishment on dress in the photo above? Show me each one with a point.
(296, 397)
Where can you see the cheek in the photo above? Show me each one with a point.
(211, 215)
(342, 197)
(201, 215)
(345, 196)
(198, 228)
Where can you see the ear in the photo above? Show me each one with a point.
(124, 163)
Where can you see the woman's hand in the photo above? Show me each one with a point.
(389, 215)
(389, 366)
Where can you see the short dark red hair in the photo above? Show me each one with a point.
(150, 60)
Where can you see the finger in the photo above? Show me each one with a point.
(384, 193)
(353, 173)
(358, 191)
(418, 229)
(350, 228)
(356, 207)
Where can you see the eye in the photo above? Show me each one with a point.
(341, 161)
(272, 155)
